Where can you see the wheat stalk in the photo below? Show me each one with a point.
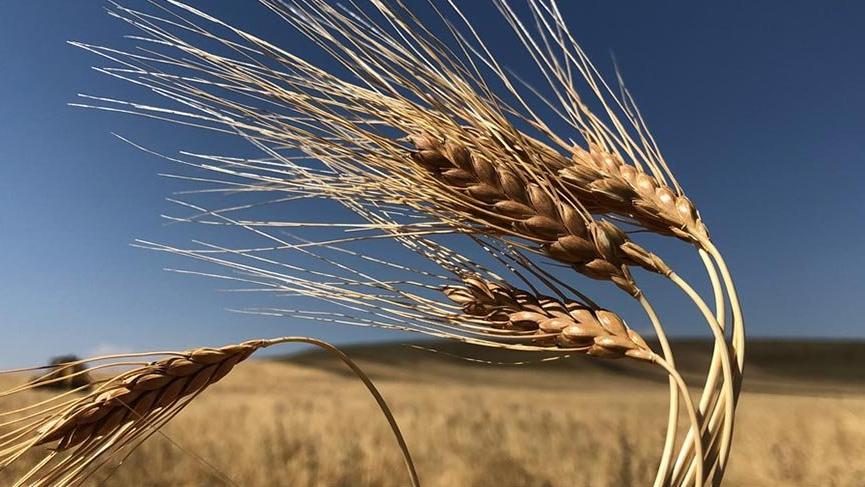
(597, 249)
(604, 184)
(469, 170)
(609, 185)
(684, 467)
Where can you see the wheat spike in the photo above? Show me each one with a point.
(145, 391)
(597, 249)
(607, 184)
(127, 408)
(561, 323)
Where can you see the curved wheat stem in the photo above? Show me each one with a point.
(456, 166)
(720, 339)
(738, 332)
(379, 399)
(673, 413)
(738, 320)
(709, 395)
(739, 353)
(692, 415)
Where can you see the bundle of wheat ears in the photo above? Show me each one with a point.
(499, 195)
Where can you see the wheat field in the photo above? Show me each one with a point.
(305, 421)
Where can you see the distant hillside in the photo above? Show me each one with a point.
(807, 367)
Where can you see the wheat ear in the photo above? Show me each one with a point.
(503, 197)
(130, 406)
(549, 321)
(607, 184)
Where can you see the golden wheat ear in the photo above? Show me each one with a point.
(547, 321)
(81, 433)
(510, 201)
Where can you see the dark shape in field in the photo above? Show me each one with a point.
(70, 376)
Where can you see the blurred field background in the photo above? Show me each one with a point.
(304, 421)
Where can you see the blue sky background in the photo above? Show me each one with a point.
(758, 106)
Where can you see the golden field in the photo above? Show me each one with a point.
(303, 421)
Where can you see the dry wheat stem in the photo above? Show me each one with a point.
(442, 159)
(728, 393)
(739, 353)
(738, 320)
(608, 185)
(673, 410)
(692, 415)
(129, 404)
(738, 337)
(709, 396)
(503, 190)
(609, 179)
(714, 418)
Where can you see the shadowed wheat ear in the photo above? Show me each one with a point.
(126, 409)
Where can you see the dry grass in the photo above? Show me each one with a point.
(309, 423)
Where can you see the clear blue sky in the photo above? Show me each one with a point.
(758, 106)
